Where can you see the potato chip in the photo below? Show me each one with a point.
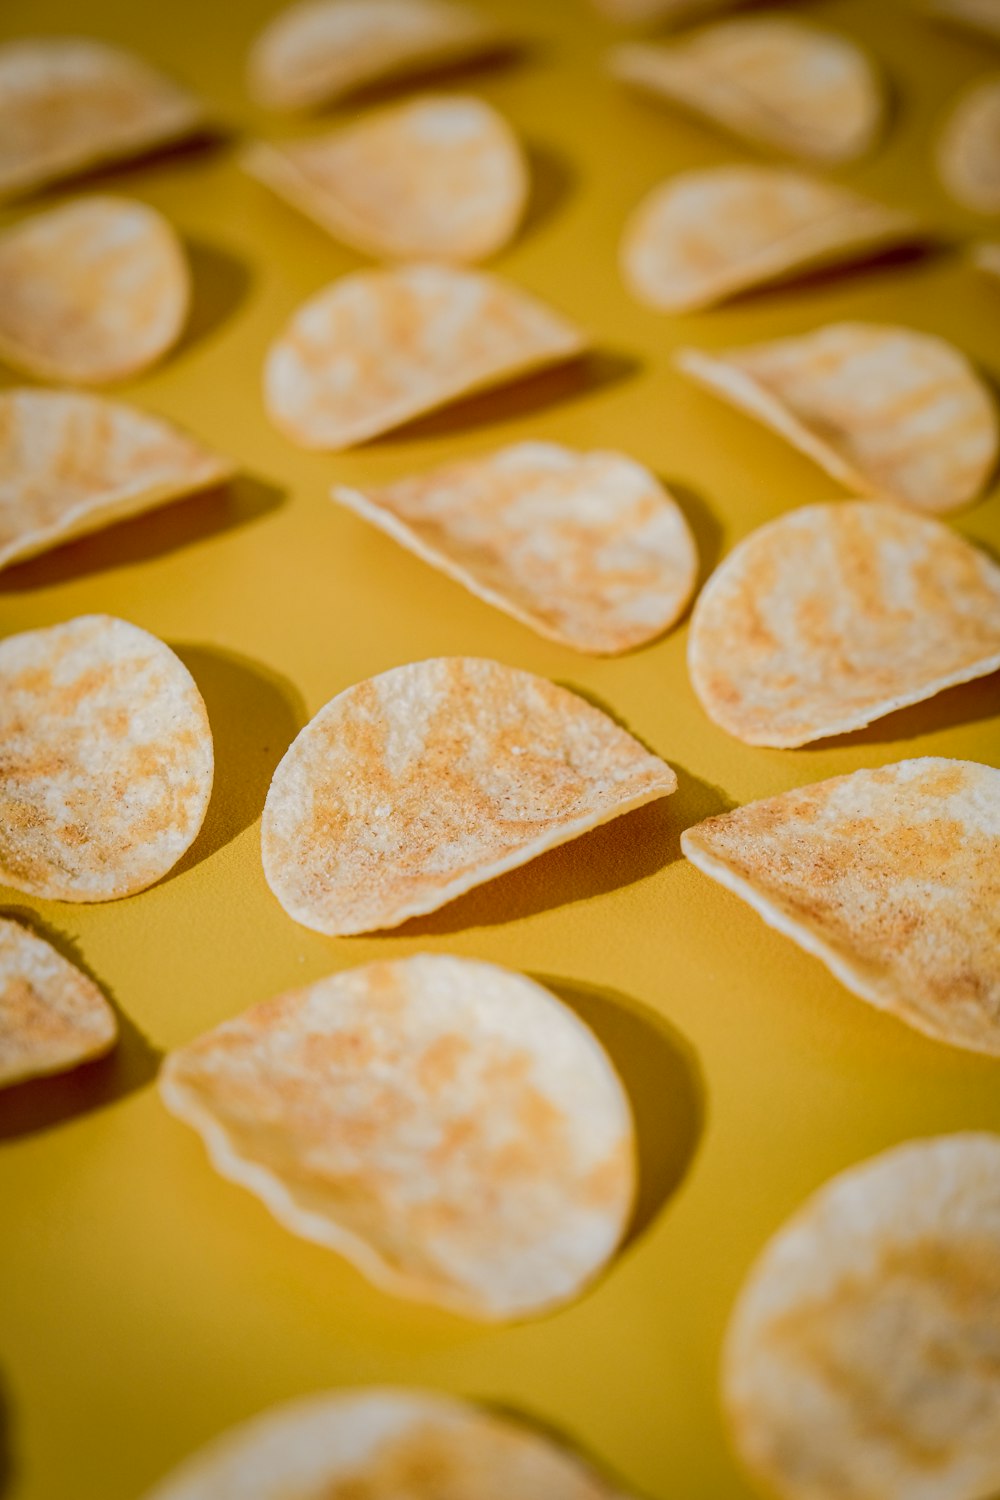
(968, 153)
(986, 257)
(977, 15)
(863, 1356)
(71, 103)
(107, 760)
(773, 82)
(885, 410)
(383, 1444)
(436, 178)
(71, 464)
(413, 787)
(587, 548)
(51, 1015)
(378, 348)
(835, 615)
(94, 290)
(891, 877)
(317, 51)
(449, 1127)
(704, 236)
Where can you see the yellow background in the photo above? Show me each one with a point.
(145, 1304)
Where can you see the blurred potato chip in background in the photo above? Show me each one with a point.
(968, 152)
(982, 16)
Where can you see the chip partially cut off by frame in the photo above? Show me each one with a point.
(441, 177)
(378, 348)
(380, 1443)
(982, 16)
(71, 103)
(448, 1126)
(73, 463)
(52, 1016)
(706, 235)
(774, 82)
(861, 1357)
(107, 760)
(316, 51)
(885, 410)
(891, 877)
(410, 788)
(968, 152)
(587, 548)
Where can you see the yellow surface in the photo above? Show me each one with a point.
(145, 1304)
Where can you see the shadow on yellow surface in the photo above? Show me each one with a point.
(969, 703)
(565, 1441)
(219, 285)
(453, 74)
(553, 178)
(131, 175)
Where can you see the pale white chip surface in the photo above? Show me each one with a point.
(51, 1015)
(968, 152)
(107, 760)
(863, 1355)
(449, 1126)
(414, 786)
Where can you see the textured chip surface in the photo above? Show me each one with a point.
(863, 1356)
(377, 348)
(587, 548)
(317, 51)
(885, 410)
(968, 153)
(703, 236)
(51, 1015)
(449, 1126)
(835, 615)
(774, 82)
(70, 103)
(383, 1444)
(72, 463)
(891, 877)
(414, 786)
(105, 760)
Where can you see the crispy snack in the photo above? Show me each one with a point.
(70, 103)
(71, 464)
(51, 1016)
(383, 1444)
(891, 877)
(317, 51)
(986, 257)
(587, 548)
(704, 236)
(106, 768)
(378, 348)
(968, 152)
(449, 1127)
(861, 1356)
(409, 789)
(774, 82)
(885, 410)
(982, 16)
(438, 178)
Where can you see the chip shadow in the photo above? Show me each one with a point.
(553, 178)
(443, 73)
(220, 283)
(956, 708)
(565, 1442)
(129, 174)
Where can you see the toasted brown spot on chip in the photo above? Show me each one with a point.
(968, 153)
(51, 1015)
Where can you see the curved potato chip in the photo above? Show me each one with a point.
(437, 178)
(383, 1444)
(835, 615)
(378, 348)
(706, 235)
(861, 1358)
(413, 787)
(51, 1015)
(92, 291)
(107, 760)
(968, 153)
(891, 877)
(982, 16)
(448, 1126)
(71, 464)
(319, 50)
(70, 103)
(885, 410)
(586, 548)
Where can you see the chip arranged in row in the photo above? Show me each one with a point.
(968, 152)
(52, 1016)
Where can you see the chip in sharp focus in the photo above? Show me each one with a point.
(968, 152)
(704, 236)
(861, 1358)
(448, 1126)
(587, 548)
(891, 877)
(835, 615)
(378, 348)
(885, 410)
(105, 760)
(409, 789)
(51, 1015)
